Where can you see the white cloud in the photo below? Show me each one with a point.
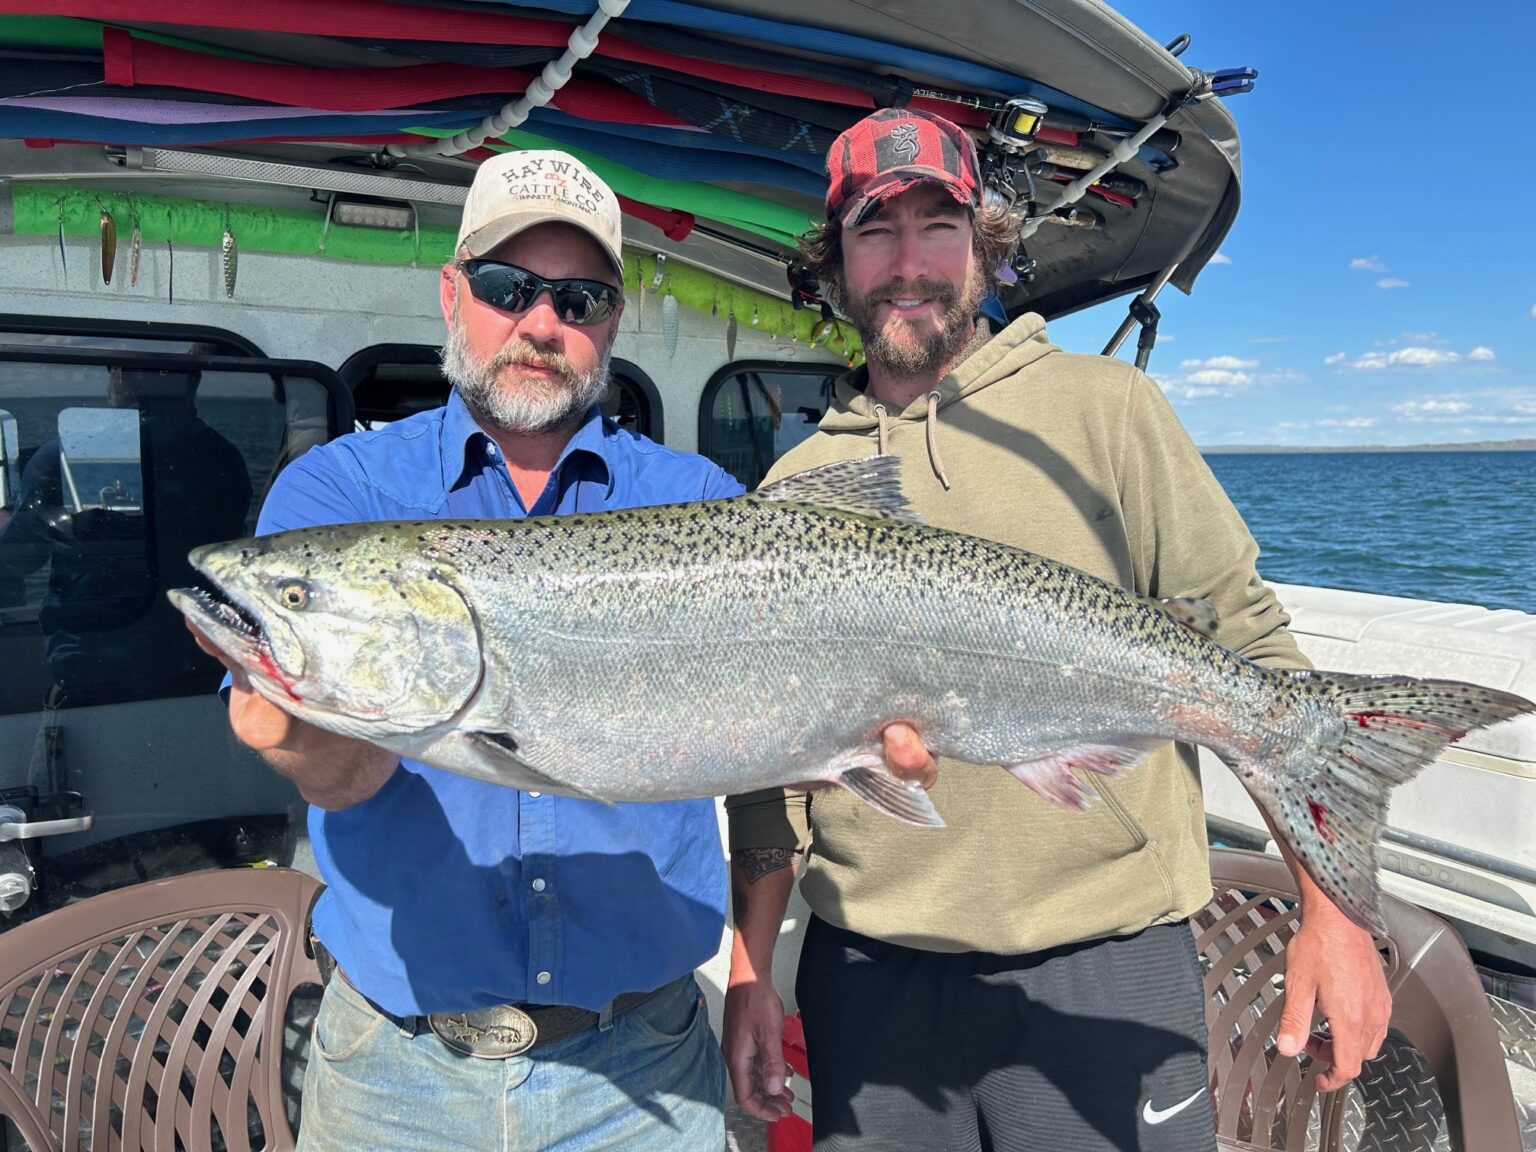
(1220, 377)
(1392, 282)
(1352, 422)
(1227, 362)
(1494, 409)
(1367, 264)
(1221, 258)
(1533, 311)
(1405, 358)
(1422, 357)
(1481, 352)
(1418, 408)
(1336, 358)
(1419, 338)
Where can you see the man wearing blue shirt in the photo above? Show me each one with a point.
(552, 938)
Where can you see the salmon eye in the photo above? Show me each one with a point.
(294, 595)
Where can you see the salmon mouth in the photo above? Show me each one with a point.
(219, 610)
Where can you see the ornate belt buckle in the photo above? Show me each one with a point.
(491, 1034)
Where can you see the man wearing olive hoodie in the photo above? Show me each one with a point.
(1023, 978)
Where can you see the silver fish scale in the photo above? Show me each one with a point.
(715, 636)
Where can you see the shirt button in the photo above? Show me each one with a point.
(539, 885)
(543, 977)
(535, 795)
(491, 452)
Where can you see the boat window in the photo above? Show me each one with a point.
(113, 465)
(65, 332)
(392, 381)
(112, 473)
(752, 412)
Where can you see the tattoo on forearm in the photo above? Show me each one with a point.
(738, 897)
(754, 864)
(759, 862)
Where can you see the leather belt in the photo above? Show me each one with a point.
(505, 1030)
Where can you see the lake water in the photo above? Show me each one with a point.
(1454, 526)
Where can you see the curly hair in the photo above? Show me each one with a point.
(994, 239)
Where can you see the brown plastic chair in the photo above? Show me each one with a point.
(1264, 1101)
(152, 1017)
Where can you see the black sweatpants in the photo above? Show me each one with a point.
(1083, 1048)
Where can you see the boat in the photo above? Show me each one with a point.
(256, 198)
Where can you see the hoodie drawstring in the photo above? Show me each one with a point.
(931, 432)
(933, 440)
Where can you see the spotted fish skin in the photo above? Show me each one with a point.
(726, 646)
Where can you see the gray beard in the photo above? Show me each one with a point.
(528, 405)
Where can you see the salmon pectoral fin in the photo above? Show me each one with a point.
(868, 778)
(1060, 776)
(500, 755)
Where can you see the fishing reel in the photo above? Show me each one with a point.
(1008, 152)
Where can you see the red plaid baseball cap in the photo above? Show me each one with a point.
(891, 150)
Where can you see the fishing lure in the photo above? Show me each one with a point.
(135, 250)
(730, 336)
(108, 246)
(669, 321)
(819, 333)
(63, 256)
(229, 258)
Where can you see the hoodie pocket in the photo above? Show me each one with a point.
(1140, 841)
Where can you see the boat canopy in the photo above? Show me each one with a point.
(711, 122)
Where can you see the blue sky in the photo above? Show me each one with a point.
(1379, 285)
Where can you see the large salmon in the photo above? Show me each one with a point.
(719, 647)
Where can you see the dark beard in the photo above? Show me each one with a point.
(908, 359)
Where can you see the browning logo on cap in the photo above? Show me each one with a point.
(892, 150)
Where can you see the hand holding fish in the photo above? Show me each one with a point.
(332, 771)
(908, 757)
(1332, 966)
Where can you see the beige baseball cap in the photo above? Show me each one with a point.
(513, 191)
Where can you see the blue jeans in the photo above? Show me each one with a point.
(648, 1079)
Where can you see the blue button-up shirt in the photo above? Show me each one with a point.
(446, 893)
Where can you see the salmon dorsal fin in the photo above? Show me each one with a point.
(1195, 614)
(869, 487)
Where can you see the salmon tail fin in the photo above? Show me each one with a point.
(1330, 803)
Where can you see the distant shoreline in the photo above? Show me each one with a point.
(1472, 446)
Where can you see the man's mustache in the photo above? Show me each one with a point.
(525, 355)
(937, 290)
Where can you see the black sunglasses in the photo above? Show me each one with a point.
(514, 289)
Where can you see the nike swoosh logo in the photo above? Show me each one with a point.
(1156, 1116)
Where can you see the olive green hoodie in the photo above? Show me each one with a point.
(1079, 458)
